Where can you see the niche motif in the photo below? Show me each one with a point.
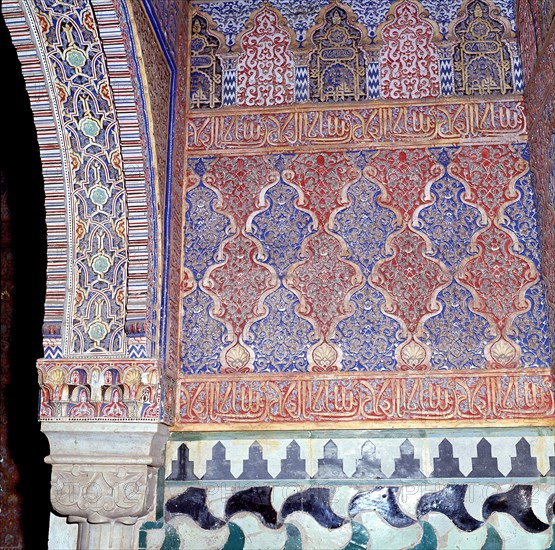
(206, 67)
(409, 61)
(337, 66)
(481, 57)
(265, 68)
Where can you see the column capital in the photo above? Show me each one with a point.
(104, 476)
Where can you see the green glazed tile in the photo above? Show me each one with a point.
(552, 545)
(359, 540)
(171, 541)
(294, 540)
(493, 541)
(428, 540)
(236, 540)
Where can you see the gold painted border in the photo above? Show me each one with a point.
(354, 105)
(362, 425)
(364, 375)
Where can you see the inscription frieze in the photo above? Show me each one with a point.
(371, 125)
(461, 397)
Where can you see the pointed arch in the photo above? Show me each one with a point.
(96, 180)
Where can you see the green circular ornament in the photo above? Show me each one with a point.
(90, 127)
(101, 264)
(97, 331)
(76, 58)
(99, 196)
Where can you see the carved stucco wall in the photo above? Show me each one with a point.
(537, 38)
(348, 264)
(351, 259)
(331, 260)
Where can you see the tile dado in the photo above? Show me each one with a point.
(409, 489)
(353, 457)
(415, 518)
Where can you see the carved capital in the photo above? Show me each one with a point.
(104, 477)
(229, 61)
(102, 493)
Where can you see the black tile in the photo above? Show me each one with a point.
(368, 465)
(484, 464)
(256, 466)
(256, 500)
(384, 501)
(330, 467)
(193, 503)
(518, 503)
(218, 467)
(315, 502)
(446, 465)
(407, 467)
(524, 464)
(551, 472)
(293, 466)
(182, 468)
(550, 509)
(449, 502)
